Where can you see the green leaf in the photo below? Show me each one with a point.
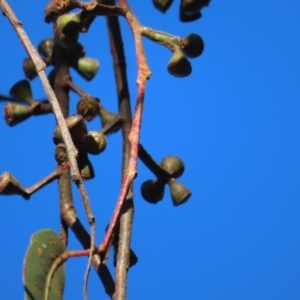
(45, 246)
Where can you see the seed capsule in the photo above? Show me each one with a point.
(193, 45)
(152, 191)
(94, 142)
(173, 165)
(179, 193)
(179, 66)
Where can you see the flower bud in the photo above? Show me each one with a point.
(61, 155)
(179, 66)
(21, 91)
(162, 5)
(77, 128)
(29, 68)
(173, 165)
(108, 118)
(193, 45)
(87, 67)
(189, 16)
(46, 46)
(194, 5)
(191, 5)
(75, 54)
(16, 113)
(67, 30)
(88, 107)
(85, 166)
(190, 10)
(152, 191)
(94, 142)
(179, 193)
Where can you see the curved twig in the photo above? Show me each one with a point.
(134, 134)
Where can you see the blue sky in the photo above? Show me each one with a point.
(235, 123)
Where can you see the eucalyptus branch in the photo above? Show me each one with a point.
(42, 109)
(40, 68)
(153, 166)
(48, 179)
(94, 8)
(62, 77)
(170, 41)
(73, 164)
(68, 214)
(134, 134)
(57, 262)
(122, 247)
(9, 185)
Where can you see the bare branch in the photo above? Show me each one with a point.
(40, 68)
(122, 246)
(134, 134)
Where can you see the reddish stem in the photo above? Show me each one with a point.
(134, 134)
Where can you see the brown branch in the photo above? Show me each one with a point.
(153, 166)
(122, 247)
(40, 68)
(48, 179)
(76, 89)
(62, 77)
(134, 134)
(42, 109)
(68, 214)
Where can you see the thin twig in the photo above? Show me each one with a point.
(134, 135)
(7, 98)
(71, 150)
(40, 68)
(48, 179)
(57, 262)
(76, 89)
(153, 166)
(126, 219)
(62, 76)
(68, 214)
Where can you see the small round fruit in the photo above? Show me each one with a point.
(179, 65)
(94, 142)
(173, 165)
(193, 45)
(152, 191)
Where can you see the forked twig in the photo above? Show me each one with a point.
(40, 68)
(71, 150)
(57, 262)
